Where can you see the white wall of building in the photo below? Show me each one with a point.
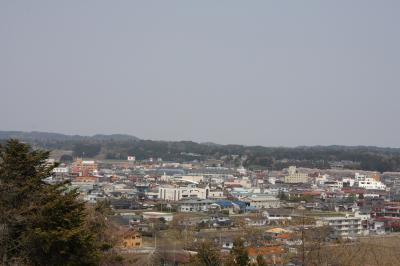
(177, 193)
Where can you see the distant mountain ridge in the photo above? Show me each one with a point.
(48, 136)
(119, 146)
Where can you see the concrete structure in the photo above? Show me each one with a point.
(177, 193)
(334, 185)
(195, 205)
(158, 215)
(349, 182)
(241, 170)
(83, 168)
(243, 182)
(294, 176)
(262, 202)
(370, 183)
(61, 170)
(191, 178)
(86, 179)
(216, 194)
(343, 226)
(82, 186)
(278, 214)
(60, 173)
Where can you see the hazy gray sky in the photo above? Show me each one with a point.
(246, 72)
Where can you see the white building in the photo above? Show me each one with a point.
(165, 178)
(216, 194)
(241, 170)
(349, 181)
(61, 170)
(334, 185)
(191, 178)
(278, 214)
(363, 181)
(343, 226)
(371, 183)
(177, 193)
(321, 179)
(195, 205)
(359, 176)
(272, 180)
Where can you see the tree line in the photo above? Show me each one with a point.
(273, 158)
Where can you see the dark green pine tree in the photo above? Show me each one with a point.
(40, 223)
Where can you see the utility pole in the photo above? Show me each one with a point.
(155, 240)
(174, 251)
(186, 236)
(303, 256)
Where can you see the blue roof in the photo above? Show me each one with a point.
(224, 203)
(228, 203)
(241, 204)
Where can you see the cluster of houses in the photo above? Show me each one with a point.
(350, 203)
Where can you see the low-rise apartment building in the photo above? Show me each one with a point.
(343, 226)
(195, 205)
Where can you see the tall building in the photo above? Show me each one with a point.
(83, 168)
(295, 177)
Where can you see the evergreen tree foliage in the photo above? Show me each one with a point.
(40, 223)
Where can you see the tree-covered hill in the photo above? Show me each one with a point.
(120, 146)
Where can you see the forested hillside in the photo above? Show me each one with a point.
(120, 146)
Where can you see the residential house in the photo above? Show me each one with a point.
(131, 239)
(262, 202)
(272, 254)
(195, 205)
